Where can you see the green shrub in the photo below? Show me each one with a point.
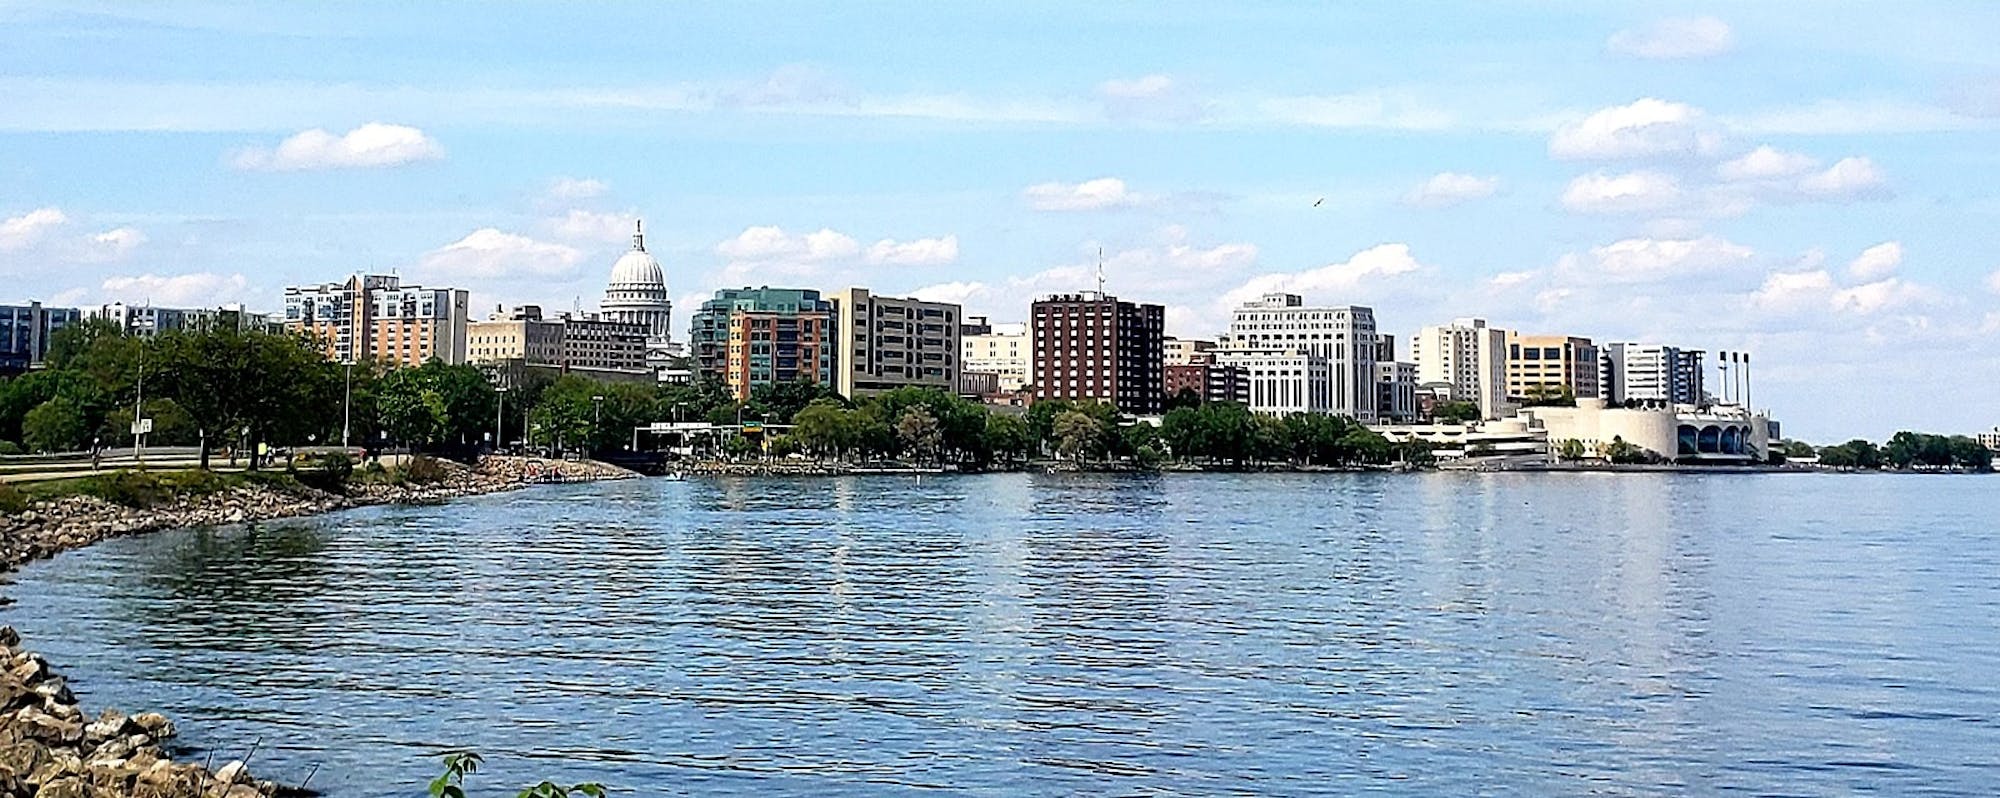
(193, 482)
(12, 500)
(9, 447)
(327, 471)
(137, 489)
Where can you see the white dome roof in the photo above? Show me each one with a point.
(637, 270)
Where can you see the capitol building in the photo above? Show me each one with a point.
(638, 295)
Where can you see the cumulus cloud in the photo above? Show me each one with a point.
(1877, 261)
(1644, 129)
(585, 225)
(1089, 195)
(1689, 37)
(1848, 178)
(197, 290)
(1787, 292)
(1380, 262)
(772, 243)
(572, 188)
(492, 254)
(1653, 259)
(113, 245)
(21, 232)
(921, 252)
(1632, 192)
(371, 145)
(1446, 189)
(1881, 295)
(1766, 163)
(957, 293)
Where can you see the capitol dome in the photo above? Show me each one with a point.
(638, 294)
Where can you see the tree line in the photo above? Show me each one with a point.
(1903, 451)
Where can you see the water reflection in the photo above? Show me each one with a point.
(1079, 634)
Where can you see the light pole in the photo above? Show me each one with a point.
(347, 405)
(597, 420)
(499, 412)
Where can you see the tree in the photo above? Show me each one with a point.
(918, 431)
(1186, 397)
(1798, 450)
(1570, 450)
(1455, 412)
(825, 429)
(57, 425)
(1548, 394)
(1008, 437)
(1854, 454)
(1077, 434)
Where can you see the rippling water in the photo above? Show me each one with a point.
(1443, 634)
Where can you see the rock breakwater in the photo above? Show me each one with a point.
(50, 749)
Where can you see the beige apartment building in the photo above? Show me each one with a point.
(1550, 363)
(376, 317)
(581, 342)
(885, 343)
(1003, 349)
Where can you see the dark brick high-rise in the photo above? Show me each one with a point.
(1092, 346)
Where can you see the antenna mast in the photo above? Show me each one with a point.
(1100, 272)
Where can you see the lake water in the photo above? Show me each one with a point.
(1439, 634)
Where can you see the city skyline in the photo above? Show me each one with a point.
(1774, 179)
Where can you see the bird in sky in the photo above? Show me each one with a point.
(1318, 201)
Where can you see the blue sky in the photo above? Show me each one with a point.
(1813, 182)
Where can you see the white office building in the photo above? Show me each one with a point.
(1335, 345)
(1469, 356)
(1004, 351)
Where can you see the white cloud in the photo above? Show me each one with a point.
(1788, 292)
(198, 290)
(1379, 262)
(1138, 88)
(1877, 261)
(370, 145)
(1691, 37)
(1632, 192)
(1446, 189)
(1650, 259)
(770, 243)
(1848, 178)
(1361, 110)
(571, 188)
(1511, 279)
(1766, 163)
(113, 245)
(921, 252)
(585, 225)
(1881, 295)
(492, 254)
(1152, 97)
(1855, 117)
(1089, 195)
(1646, 128)
(21, 232)
(1993, 282)
(957, 293)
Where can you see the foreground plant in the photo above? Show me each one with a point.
(451, 783)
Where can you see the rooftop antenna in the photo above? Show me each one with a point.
(639, 235)
(1100, 272)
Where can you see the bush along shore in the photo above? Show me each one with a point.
(44, 519)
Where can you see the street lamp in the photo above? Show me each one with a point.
(597, 419)
(499, 409)
(347, 405)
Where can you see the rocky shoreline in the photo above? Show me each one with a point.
(50, 749)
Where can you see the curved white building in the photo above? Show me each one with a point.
(638, 295)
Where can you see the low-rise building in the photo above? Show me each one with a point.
(1208, 381)
(1002, 349)
(889, 342)
(1396, 391)
(1720, 434)
(1187, 351)
(25, 331)
(583, 341)
(1510, 443)
(146, 321)
(978, 383)
(1990, 440)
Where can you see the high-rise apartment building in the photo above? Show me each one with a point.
(887, 343)
(1544, 366)
(25, 331)
(1338, 342)
(376, 317)
(146, 321)
(1093, 346)
(1003, 349)
(1469, 356)
(746, 337)
(1651, 373)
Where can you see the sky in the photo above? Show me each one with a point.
(1809, 182)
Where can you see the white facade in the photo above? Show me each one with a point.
(1990, 440)
(637, 294)
(1187, 351)
(1683, 433)
(1469, 355)
(1005, 351)
(1651, 373)
(1512, 443)
(1341, 339)
(1283, 380)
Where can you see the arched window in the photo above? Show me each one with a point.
(1711, 440)
(1732, 441)
(1687, 436)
